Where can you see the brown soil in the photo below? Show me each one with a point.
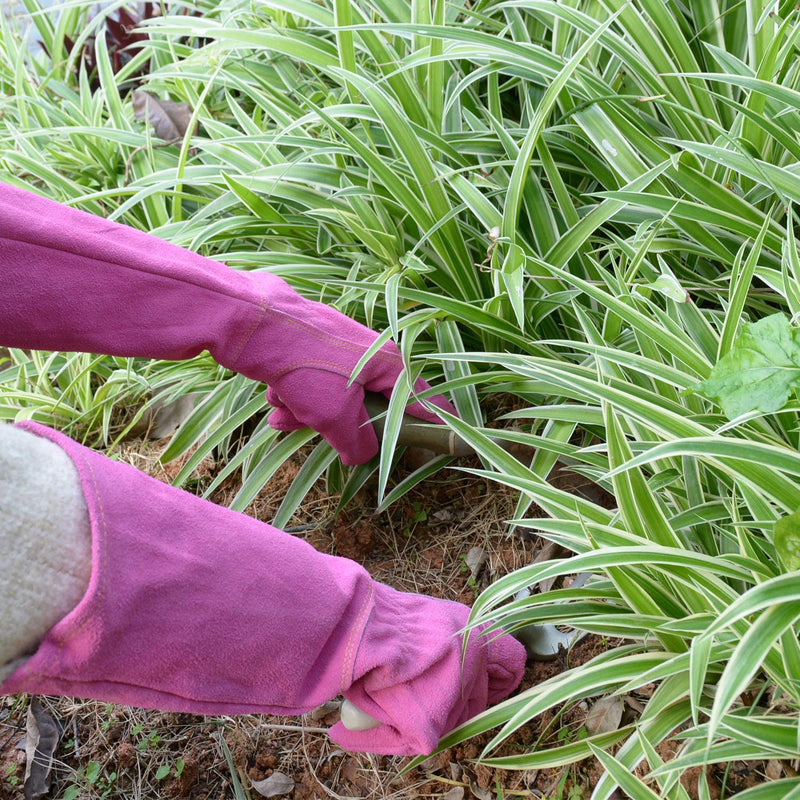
(420, 544)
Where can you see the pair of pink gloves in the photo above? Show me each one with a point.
(193, 607)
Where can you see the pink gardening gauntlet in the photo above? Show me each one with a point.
(73, 281)
(193, 607)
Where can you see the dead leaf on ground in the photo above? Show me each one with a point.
(475, 559)
(480, 794)
(350, 770)
(634, 704)
(164, 417)
(456, 793)
(169, 119)
(774, 769)
(604, 716)
(320, 712)
(40, 745)
(275, 785)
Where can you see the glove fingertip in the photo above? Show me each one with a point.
(420, 412)
(358, 452)
(358, 741)
(506, 667)
(439, 400)
(281, 419)
(382, 740)
(353, 435)
(442, 402)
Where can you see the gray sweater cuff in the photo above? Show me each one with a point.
(45, 541)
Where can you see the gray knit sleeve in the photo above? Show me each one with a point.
(44, 540)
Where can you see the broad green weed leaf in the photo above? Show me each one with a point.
(787, 540)
(760, 372)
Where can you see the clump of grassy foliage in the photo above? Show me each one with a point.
(577, 203)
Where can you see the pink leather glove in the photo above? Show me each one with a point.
(73, 281)
(193, 607)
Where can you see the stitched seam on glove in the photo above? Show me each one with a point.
(354, 640)
(248, 334)
(326, 366)
(329, 338)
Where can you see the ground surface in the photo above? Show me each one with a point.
(421, 544)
